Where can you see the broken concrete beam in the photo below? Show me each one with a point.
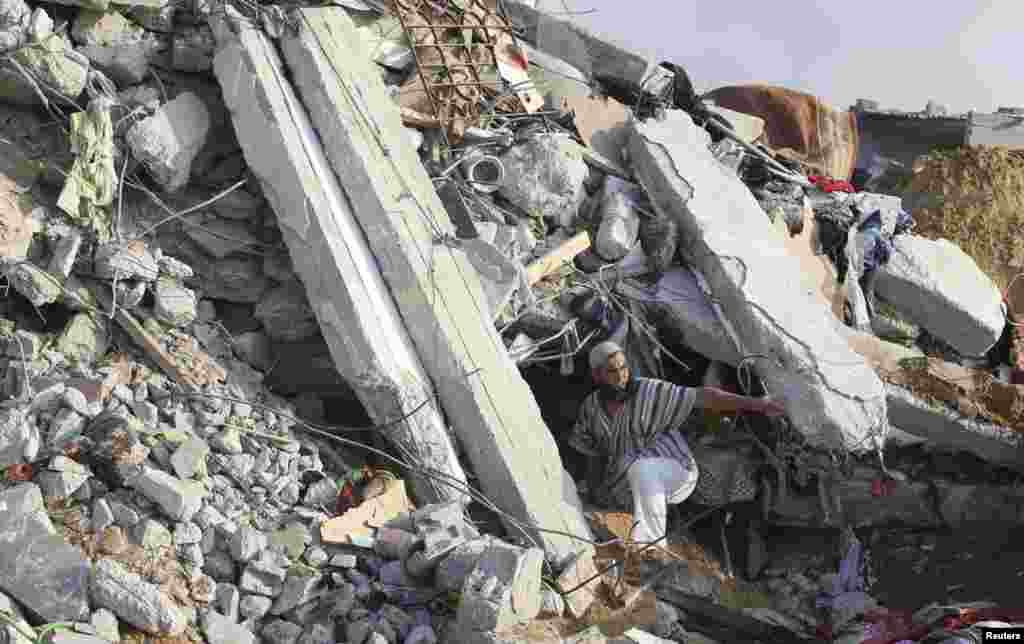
(367, 338)
(442, 303)
(575, 45)
(544, 177)
(948, 430)
(502, 591)
(938, 286)
(831, 394)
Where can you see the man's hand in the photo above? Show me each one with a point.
(716, 400)
(770, 408)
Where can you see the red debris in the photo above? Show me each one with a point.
(346, 499)
(824, 632)
(19, 472)
(828, 184)
(883, 487)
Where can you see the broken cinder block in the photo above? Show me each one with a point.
(502, 591)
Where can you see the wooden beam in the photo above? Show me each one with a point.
(553, 261)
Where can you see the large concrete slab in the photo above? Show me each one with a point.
(356, 312)
(831, 394)
(435, 286)
(937, 285)
(950, 431)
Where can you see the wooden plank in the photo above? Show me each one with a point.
(202, 369)
(554, 260)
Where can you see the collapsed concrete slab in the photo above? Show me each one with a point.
(831, 394)
(678, 301)
(435, 286)
(937, 285)
(948, 430)
(367, 338)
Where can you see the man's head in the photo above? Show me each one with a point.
(608, 363)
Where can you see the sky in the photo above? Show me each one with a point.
(902, 53)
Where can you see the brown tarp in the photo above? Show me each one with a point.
(798, 125)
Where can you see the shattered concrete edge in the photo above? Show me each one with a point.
(832, 395)
(368, 342)
(945, 428)
(437, 290)
(938, 286)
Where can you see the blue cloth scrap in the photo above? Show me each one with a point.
(877, 248)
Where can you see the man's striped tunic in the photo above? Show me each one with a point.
(649, 425)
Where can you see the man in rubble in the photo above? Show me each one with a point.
(630, 428)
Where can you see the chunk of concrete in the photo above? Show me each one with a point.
(937, 285)
(38, 568)
(174, 304)
(128, 63)
(221, 630)
(502, 591)
(167, 142)
(492, 409)
(949, 430)
(85, 337)
(368, 341)
(135, 600)
(831, 394)
(544, 176)
(179, 500)
(19, 437)
(620, 224)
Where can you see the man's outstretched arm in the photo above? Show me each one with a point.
(721, 401)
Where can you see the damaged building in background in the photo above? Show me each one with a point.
(299, 302)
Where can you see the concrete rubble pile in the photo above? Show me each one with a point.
(274, 336)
